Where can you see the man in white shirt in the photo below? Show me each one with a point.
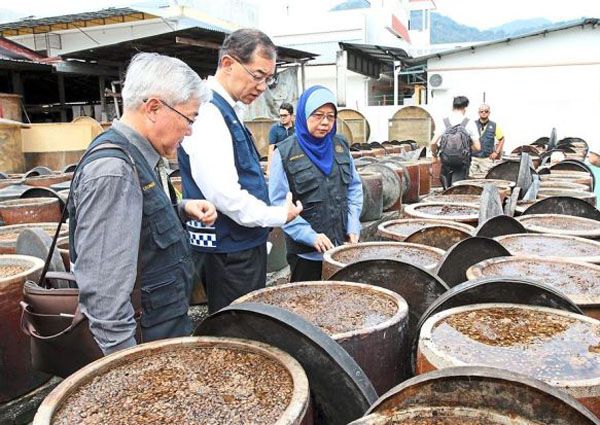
(219, 162)
(453, 173)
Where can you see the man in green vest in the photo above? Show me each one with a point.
(489, 132)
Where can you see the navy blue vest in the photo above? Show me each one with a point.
(230, 236)
(164, 258)
(487, 138)
(325, 198)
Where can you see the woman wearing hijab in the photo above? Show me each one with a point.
(316, 166)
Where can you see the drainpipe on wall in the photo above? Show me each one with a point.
(396, 73)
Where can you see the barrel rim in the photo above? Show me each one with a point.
(588, 259)
(412, 210)
(382, 228)
(34, 264)
(576, 388)
(401, 312)
(328, 255)
(586, 234)
(297, 407)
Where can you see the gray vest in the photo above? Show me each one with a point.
(325, 198)
(487, 138)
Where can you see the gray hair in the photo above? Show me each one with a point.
(243, 43)
(170, 79)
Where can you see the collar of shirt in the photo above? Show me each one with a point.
(238, 107)
(139, 141)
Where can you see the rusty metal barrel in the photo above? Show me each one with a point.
(575, 279)
(372, 185)
(34, 210)
(9, 234)
(425, 175)
(420, 255)
(48, 180)
(557, 347)
(453, 198)
(579, 177)
(436, 171)
(464, 213)
(552, 246)
(475, 395)
(565, 185)
(17, 377)
(589, 197)
(184, 380)
(369, 322)
(392, 185)
(413, 187)
(561, 224)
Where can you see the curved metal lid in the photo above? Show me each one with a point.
(341, 390)
(440, 236)
(416, 285)
(38, 171)
(508, 170)
(489, 389)
(575, 165)
(566, 205)
(498, 226)
(42, 192)
(453, 267)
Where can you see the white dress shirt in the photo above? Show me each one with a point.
(210, 149)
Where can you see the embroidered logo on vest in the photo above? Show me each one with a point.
(295, 157)
(149, 186)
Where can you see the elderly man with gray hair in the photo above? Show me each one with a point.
(125, 226)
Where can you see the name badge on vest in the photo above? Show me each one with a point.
(201, 235)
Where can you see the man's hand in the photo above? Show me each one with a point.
(201, 210)
(352, 238)
(322, 243)
(494, 156)
(292, 210)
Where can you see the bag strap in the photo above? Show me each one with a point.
(464, 122)
(447, 123)
(136, 294)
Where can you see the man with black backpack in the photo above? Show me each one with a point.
(454, 142)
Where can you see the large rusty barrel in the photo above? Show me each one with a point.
(392, 185)
(575, 279)
(560, 224)
(413, 171)
(369, 322)
(17, 376)
(184, 380)
(425, 174)
(420, 255)
(436, 172)
(48, 180)
(475, 395)
(558, 347)
(372, 186)
(34, 210)
(579, 177)
(552, 246)
(9, 234)
(565, 185)
(453, 198)
(464, 213)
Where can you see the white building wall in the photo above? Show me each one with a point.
(532, 85)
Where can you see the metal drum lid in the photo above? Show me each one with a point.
(399, 230)
(416, 285)
(488, 390)
(43, 192)
(566, 205)
(38, 171)
(453, 267)
(442, 237)
(341, 391)
(464, 189)
(498, 226)
(508, 170)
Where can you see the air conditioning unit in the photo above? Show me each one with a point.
(436, 82)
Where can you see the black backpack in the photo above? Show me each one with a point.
(455, 144)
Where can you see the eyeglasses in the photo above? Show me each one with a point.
(320, 115)
(188, 119)
(486, 111)
(284, 115)
(258, 79)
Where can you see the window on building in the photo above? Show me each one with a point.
(416, 20)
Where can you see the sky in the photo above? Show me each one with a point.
(481, 14)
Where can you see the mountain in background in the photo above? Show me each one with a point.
(446, 30)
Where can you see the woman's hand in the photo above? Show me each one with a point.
(322, 243)
(201, 210)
